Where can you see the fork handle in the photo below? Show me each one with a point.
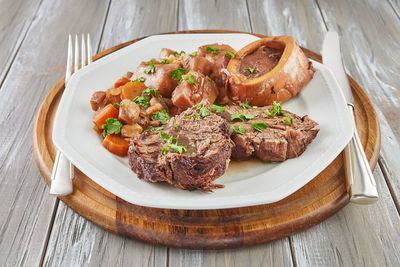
(61, 176)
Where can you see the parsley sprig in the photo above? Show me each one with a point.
(251, 70)
(218, 109)
(142, 100)
(140, 79)
(162, 116)
(172, 143)
(245, 105)
(191, 80)
(239, 130)
(150, 67)
(230, 54)
(276, 110)
(259, 126)
(176, 74)
(241, 116)
(150, 91)
(203, 111)
(211, 49)
(151, 129)
(112, 126)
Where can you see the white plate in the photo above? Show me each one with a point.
(246, 183)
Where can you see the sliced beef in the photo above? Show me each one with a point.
(207, 156)
(189, 93)
(279, 142)
(160, 78)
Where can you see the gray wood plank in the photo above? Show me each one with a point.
(275, 253)
(15, 18)
(225, 15)
(26, 207)
(74, 240)
(371, 51)
(348, 238)
(210, 14)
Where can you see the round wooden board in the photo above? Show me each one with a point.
(208, 229)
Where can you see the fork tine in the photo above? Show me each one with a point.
(69, 60)
(83, 52)
(76, 59)
(89, 49)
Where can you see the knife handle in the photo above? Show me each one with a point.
(361, 181)
(61, 176)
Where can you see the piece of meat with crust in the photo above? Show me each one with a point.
(188, 94)
(160, 78)
(208, 151)
(279, 142)
(197, 63)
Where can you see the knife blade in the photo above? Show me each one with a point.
(360, 179)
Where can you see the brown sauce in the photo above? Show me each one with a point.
(259, 62)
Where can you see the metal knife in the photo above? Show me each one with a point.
(361, 181)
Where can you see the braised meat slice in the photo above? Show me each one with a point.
(270, 138)
(190, 152)
(198, 63)
(194, 88)
(157, 76)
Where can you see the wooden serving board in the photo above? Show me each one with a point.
(208, 229)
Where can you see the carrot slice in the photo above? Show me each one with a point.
(121, 82)
(103, 114)
(116, 145)
(132, 89)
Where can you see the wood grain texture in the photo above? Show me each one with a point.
(210, 14)
(374, 65)
(319, 199)
(26, 206)
(348, 238)
(126, 20)
(15, 19)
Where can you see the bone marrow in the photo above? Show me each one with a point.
(270, 69)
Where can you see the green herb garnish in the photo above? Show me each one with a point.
(211, 80)
(168, 138)
(163, 151)
(230, 54)
(288, 120)
(112, 126)
(217, 108)
(150, 67)
(140, 79)
(211, 49)
(179, 53)
(176, 74)
(239, 130)
(193, 54)
(241, 116)
(176, 126)
(151, 129)
(141, 100)
(191, 80)
(162, 116)
(149, 91)
(259, 126)
(193, 154)
(251, 70)
(165, 61)
(117, 104)
(276, 110)
(190, 116)
(204, 112)
(178, 149)
(245, 105)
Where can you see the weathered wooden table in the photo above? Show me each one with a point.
(37, 229)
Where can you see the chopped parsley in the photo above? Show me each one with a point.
(176, 74)
(191, 80)
(162, 116)
(241, 116)
(141, 100)
(176, 125)
(211, 80)
(276, 110)
(190, 116)
(149, 91)
(251, 70)
(217, 108)
(211, 49)
(179, 53)
(151, 129)
(193, 54)
(204, 112)
(150, 67)
(259, 126)
(140, 79)
(193, 154)
(165, 61)
(230, 54)
(112, 126)
(163, 151)
(255, 107)
(117, 104)
(245, 105)
(288, 120)
(239, 130)
(167, 138)
(178, 149)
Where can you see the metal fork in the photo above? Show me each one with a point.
(63, 170)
